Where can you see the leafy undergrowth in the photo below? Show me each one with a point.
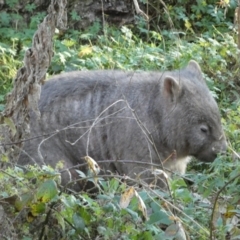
(36, 206)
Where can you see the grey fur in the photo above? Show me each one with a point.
(117, 115)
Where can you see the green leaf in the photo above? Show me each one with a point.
(4, 158)
(114, 184)
(131, 212)
(37, 208)
(78, 221)
(5, 18)
(70, 201)
(156, 207)
(23, 201)
(147, 236)
(101, 230)
(75, 16)
(30, 7)
(47, 191)
(159, 217)
(85, 214)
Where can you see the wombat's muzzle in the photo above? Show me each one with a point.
(210, 154)
(220, 148)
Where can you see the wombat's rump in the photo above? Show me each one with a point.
(134, 116)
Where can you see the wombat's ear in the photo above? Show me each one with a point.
(194, 67)
(171, 88)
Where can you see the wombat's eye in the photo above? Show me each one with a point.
(204, 129)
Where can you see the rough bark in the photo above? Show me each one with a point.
(26, 92)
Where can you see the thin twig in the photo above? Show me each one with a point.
(215, 204)
(139, 11)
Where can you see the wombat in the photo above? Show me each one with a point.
(126, 116)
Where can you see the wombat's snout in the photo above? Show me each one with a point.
(220, 148)
(223, 148)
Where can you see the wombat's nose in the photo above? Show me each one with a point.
(224, 146)
(220, 147)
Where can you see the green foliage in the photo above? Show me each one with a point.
(36, 193)
(75, 16)
(197, 16)
(15, 36)
(11, 3)
(8, 69)
(78, 214)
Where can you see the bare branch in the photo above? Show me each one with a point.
(139, 11)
